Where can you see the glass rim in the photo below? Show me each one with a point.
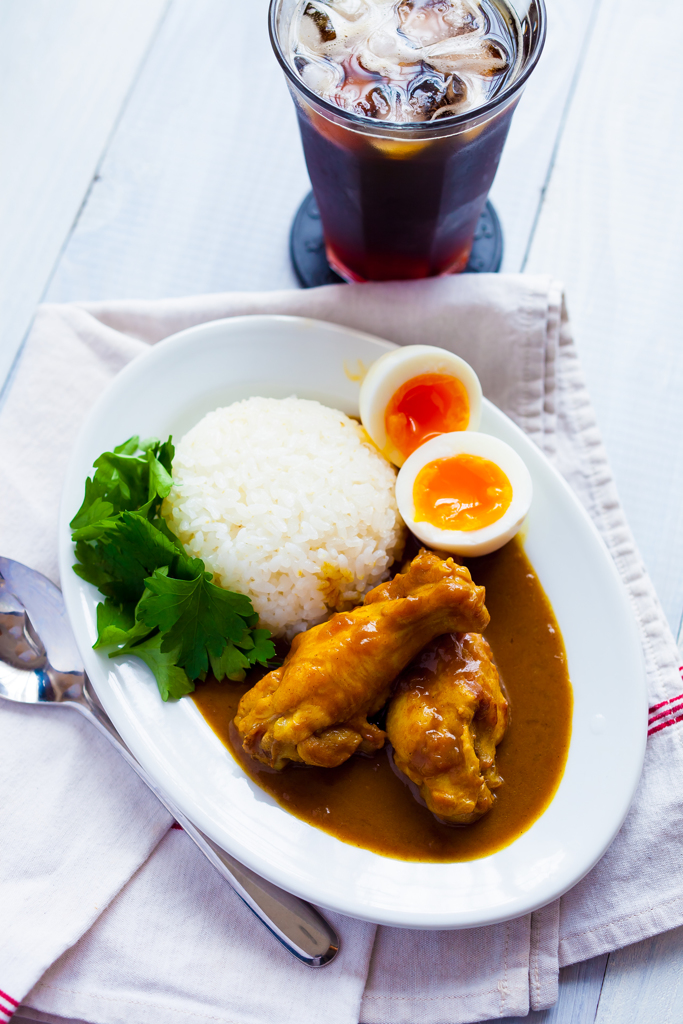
(421, 127)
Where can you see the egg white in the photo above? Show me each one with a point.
(392, 370)
(467, 542)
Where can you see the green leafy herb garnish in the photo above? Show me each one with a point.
(160, 604)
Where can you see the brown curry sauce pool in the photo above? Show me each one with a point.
(365, 803)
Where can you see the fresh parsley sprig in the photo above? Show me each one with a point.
(160, 604)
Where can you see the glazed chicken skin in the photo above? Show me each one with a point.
(315, 708)
(445, 721)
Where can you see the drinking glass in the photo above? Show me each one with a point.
(402, 201)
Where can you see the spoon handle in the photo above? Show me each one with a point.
(297, 925)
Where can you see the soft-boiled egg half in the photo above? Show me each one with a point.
(465, 493)
(414, 394)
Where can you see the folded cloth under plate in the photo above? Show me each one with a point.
(112, 916)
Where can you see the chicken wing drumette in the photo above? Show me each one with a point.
(315, 708)
(445, 721)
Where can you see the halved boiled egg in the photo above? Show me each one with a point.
(416, 393)
(465, 493)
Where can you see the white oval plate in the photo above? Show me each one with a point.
(170, 389)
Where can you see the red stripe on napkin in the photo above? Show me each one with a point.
(6, 1011)
(665, 725)
(666, 713)
(676, 705)
(176, 825)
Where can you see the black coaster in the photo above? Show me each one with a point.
(307, 247)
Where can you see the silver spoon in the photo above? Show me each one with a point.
(40, 664)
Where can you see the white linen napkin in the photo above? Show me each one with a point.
(109, 915)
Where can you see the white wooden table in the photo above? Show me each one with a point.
(149, 149)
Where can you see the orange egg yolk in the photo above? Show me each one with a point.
(464, 492)
(424, 407)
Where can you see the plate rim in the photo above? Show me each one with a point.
(400, 918)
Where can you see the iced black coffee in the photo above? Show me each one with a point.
(404, 107)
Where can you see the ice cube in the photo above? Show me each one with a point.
(320, 76)
(465, 17)
(383, 44)
(425, 22)
(376, 103)
(485, 58)
(316, 28)
(424, 97)
(428, 95)
(352, 10)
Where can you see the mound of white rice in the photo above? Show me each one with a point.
(289, 502)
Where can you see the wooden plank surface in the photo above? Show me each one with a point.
(537, 125)
(580, 987)
(612, 229)
(644, 983)
(205, 172)
(65, 70)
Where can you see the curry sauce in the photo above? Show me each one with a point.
(365, 802)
